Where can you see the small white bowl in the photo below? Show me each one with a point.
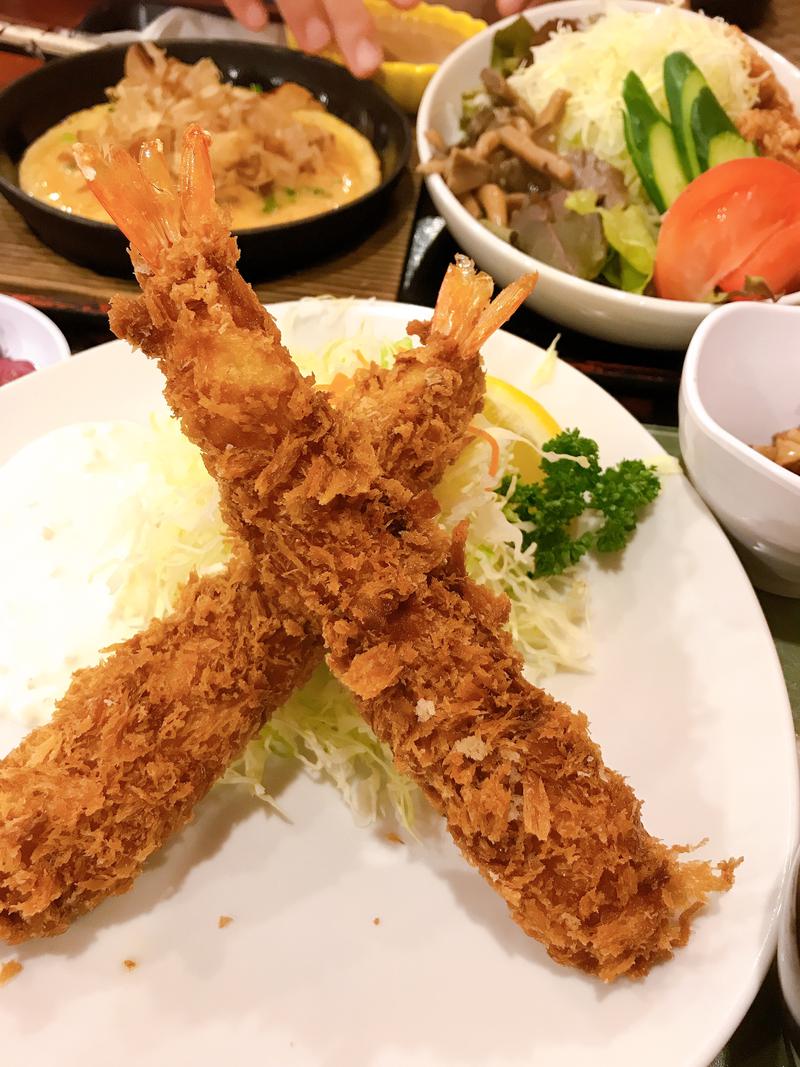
(740, 385)
(27, 334)
(587, 306)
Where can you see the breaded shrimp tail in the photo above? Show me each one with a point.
(267, 436)
(523, 787)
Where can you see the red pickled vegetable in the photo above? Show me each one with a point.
(14, 368)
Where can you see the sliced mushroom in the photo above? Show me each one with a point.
(471, 204)
(553, 111)
(536, 156)
(465, 171)
(519, 122)
(497, 86)
(493, 201)
(514, 201)
(487, 143)
(433, 166)
(436, 141)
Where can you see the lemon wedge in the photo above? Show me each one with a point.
(415, 42)
(510, 408)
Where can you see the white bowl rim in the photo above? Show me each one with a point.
(693, 401)
(56, 336)
(689, 309)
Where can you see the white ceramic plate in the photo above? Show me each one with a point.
(587, 306)
(686, 698)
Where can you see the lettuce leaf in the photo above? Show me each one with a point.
(630, 234)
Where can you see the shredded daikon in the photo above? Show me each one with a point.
(592, 63)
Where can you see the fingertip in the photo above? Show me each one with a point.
(367, 57)
(254, 15)
(316, 35)
(512, 7)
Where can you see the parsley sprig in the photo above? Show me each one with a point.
(569, 488)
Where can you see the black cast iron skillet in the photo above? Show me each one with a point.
(38, 101)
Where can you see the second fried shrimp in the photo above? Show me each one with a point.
(523, 788)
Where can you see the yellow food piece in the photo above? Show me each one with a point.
(510, 408)
(415, 42)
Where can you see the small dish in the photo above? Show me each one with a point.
(588, 306)
(740, 385)
(417, 34)
(38, 101)
(26, 334)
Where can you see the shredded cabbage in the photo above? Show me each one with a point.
(592, 64)
(173, 526)
(548, 615)
(320, 726)
(166, 543)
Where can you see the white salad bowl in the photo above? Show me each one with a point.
(740, 385)
(583, 305)
(27, 334)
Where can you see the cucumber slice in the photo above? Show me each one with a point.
(667, 163)
(651, 144)
(682, 82)
(727, 146)
(710, 126)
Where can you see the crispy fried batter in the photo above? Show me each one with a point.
(138, 741)
(523, 788)
(135, 744)
(773, 123)
(775, 131)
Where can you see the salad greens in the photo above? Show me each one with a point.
(574, 486)
(511, 47)
(631, 239)
(600, 151)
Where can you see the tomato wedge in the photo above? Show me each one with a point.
(737, 219)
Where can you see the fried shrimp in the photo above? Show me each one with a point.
(133, 746)
(139, 740)
(523, 788)
(773, 123)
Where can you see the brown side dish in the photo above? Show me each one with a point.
(784, 450)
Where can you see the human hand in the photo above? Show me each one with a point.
(317, 23)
